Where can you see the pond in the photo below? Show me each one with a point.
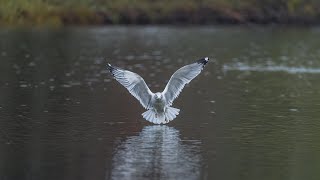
(253, 113)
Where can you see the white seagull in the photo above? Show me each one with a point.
(158, 105)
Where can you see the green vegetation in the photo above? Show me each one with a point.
(64, 12)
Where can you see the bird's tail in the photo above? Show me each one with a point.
(161, 118)
(171, 113)
(153, 117)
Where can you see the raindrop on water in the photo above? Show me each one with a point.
(66, 86)
(31, 64)
(293, 110)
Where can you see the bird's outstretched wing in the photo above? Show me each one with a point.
(182, 77)
(134, 83)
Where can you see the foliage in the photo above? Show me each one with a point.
(60, 12)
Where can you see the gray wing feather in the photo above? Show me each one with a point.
(182, 77)
(134, 84)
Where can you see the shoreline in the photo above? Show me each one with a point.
(103, 21)
(61, 22)
(189, 12)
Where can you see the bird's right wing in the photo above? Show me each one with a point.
(182, 77)
(134, 84)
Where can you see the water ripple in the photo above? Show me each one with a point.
(158, 152)
(281, 68)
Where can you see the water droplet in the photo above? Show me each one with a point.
(31, 64)
(66, 86)
(293, 110)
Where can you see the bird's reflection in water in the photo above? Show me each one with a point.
(157, 153)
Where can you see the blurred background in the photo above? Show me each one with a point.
(253, 113)
(60, 12)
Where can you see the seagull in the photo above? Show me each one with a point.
(158, 105)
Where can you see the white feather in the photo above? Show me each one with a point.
(180, 78)
(134, 84)
(158, 104)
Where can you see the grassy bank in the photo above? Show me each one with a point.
(65, 12)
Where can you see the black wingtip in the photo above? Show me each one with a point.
(110, 68)
(203, 61)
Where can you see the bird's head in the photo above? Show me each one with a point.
(158, 96)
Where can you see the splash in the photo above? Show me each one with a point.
(259, 68)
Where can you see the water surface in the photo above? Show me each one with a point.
(252, 114)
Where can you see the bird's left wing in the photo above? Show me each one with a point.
(134, 84)
(182, 77)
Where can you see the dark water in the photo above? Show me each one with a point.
(254, 113)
